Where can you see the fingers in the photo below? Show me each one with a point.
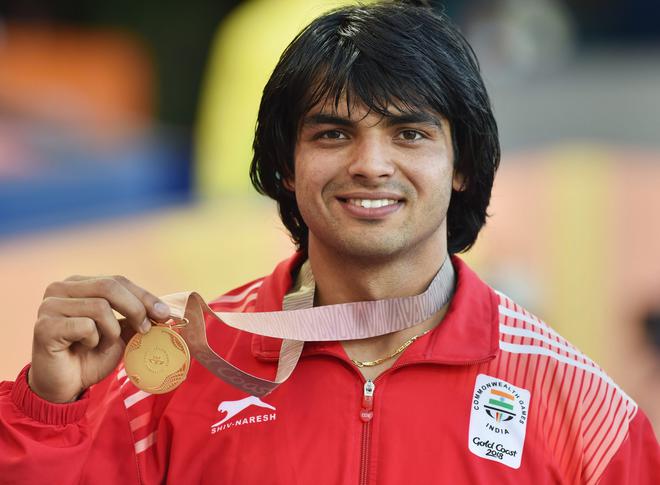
(126, 331)
(130, 300)
(97, 310)
(82, 330)
(156, 309)
(60, 333)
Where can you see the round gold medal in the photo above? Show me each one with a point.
(158, 361)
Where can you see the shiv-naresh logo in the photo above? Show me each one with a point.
(234, 408)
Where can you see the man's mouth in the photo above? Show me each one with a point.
(371, 206)
(372, 203)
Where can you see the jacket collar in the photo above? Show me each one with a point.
(468, 333)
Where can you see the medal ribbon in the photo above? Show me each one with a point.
(346, 321)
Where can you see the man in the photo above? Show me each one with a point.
(376, 138)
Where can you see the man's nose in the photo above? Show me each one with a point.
(371, 159)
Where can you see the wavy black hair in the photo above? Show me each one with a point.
(399, 55)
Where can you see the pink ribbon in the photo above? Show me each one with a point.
(347, 321)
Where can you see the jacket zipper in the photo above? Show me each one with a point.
(366, 414)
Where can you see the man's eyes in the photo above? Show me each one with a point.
(404, 135)
(411, 135)
(331, 135)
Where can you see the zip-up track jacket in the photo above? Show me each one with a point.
(490, 396)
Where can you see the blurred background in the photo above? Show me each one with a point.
(125, 140)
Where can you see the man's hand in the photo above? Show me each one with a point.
(78, 341)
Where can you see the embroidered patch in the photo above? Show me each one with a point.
(498, 420)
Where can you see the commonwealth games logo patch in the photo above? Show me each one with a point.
(498, 420)
(500, 406)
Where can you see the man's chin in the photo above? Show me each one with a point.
(366, 250)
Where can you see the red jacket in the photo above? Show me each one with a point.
(491, 396)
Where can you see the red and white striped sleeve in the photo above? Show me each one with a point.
(41, 441)
(589, 422)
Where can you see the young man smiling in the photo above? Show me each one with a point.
(374, 189)
(376, 138)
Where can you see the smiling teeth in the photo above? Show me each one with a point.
(371, 203)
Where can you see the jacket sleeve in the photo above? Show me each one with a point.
(88, 441)
(637, 462)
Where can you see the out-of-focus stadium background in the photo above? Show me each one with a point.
(125, 131)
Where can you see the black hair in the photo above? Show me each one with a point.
(386, 55)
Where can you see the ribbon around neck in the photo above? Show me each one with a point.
(346, 321)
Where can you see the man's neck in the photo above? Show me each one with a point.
(342, 279)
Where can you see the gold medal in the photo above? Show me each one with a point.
(158, 361)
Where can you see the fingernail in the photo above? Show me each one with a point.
(145, 326)
(161, 309)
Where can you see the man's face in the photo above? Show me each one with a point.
(374, 187)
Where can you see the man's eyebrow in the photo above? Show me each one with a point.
(326, 119)
(413, 118)
(390, 120)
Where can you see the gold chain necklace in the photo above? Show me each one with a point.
(404, 346)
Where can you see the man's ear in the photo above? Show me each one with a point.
(289, 184)
(458, 182)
